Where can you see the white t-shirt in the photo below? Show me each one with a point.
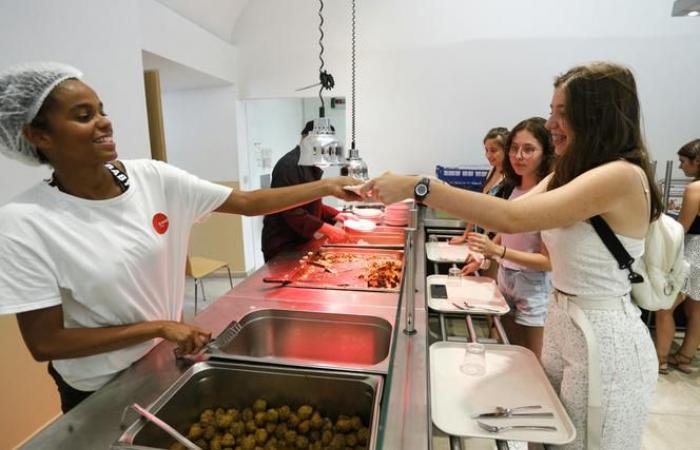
(107, 262)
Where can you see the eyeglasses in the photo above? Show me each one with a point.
(526, 150)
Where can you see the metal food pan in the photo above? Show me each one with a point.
(228, 385)
(346, 275)
(307, 338)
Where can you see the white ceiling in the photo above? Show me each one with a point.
(216, 16)
(176, 77)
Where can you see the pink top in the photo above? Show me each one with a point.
(525, 242)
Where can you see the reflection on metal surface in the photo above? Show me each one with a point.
(309, 338)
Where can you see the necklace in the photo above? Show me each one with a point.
(120, 177)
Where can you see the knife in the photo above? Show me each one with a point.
(506, 415)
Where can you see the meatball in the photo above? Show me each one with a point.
(248, 442)
(207, 417)
(259, 405)
(290, 437)
(259, 418)
(272, 416)
(302, 442)
(304, 426)
(293, 420)
(224, 420)
(363, 435)
(343, 425)
(281, 430)
(209, 432)
(351, 439)
(284, 412)
(250, 426)
(304, 412)
(316, 421)
(227, 440)
(356, 422)
(196, 431)
(237, 428)
(247, 414)
(260, 436)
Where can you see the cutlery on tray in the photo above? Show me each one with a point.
(498, 429)
(496, 415)
(500, 411)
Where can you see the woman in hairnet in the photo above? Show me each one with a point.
(92, 261)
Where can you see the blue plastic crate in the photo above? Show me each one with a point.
(465, 177)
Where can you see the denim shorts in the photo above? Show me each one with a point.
(527, 294)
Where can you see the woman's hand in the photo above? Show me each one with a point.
(390, 188)
(336, 184)
(457, 240)
(472, 264)
(343, 216)
(481, 243)
(189, 338)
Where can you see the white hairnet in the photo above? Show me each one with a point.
(23, 89)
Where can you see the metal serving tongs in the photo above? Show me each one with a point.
(162, 425)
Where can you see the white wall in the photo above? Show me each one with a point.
(434, 76)
(200, 132)
(101, 38)
(105, 39)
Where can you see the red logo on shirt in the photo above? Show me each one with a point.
(160, 223)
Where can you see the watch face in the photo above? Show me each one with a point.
(421, 190)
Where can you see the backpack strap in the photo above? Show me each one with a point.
(613, 244)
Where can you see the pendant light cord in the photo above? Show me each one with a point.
(325, 78)
(353, 64)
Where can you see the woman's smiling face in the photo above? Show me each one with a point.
(557, 124)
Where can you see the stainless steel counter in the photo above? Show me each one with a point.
(405, 421)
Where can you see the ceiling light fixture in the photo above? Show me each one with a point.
(320, 147)
(355, 167)
(686, 8)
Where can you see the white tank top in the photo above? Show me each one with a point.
(583, 266)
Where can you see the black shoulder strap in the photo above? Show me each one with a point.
(613, 244)
(120, 177)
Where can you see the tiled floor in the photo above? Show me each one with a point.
(674, 422)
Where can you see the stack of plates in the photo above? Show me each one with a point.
(398, 214)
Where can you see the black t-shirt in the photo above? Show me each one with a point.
(288, 229)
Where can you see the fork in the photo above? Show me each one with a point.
(501, 428)
(483, 308)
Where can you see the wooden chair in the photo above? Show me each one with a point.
(198, 267)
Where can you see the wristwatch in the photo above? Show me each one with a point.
(421, 189)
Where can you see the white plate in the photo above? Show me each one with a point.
(360, 225)
(367, 213)
(513, 378)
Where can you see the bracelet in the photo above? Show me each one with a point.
(503, 255)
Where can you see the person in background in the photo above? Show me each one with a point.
(286, 230)
(523, 275)
(92, 260)
(494, 184)
(689, 217)
(597, 352)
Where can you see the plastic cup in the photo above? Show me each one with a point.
(474, 362)
(454, 276)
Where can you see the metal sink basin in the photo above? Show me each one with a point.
(235, 385)
(307, 338)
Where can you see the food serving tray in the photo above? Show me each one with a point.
(513, 378)
(350, 266)
(476, 291)
(444, 252)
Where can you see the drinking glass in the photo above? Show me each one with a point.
(474, 362)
